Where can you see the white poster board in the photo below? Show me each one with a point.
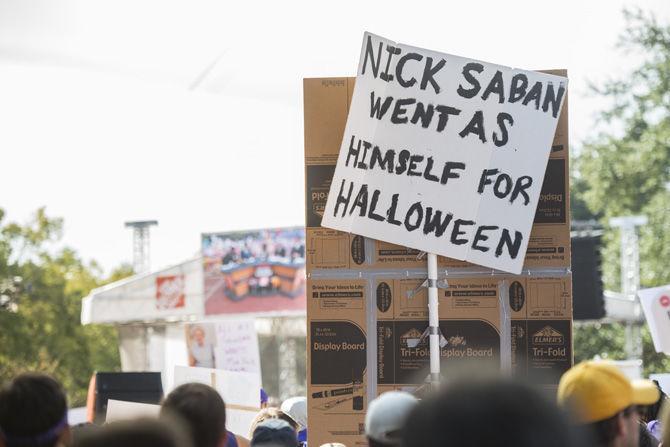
(656, 306)
(231, 345)
(663, 381)
(118, 410)
(444, 154)
(239, 390)
(237, 346)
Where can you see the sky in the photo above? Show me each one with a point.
(190, 112)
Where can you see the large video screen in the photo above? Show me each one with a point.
(254, 271)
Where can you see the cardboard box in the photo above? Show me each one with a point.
(354, 283)
(541, 328)
(336, 359)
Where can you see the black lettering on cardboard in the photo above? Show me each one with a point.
(416, 209)
(448, 173)
(444, 112)
(522, 184)
(456, 231)
(361, 201)
(435, 223)
(552, 99)
(467, 74)
(503, 181)
(370, 53)
(391, 50)
(513, 246)
(342, 200)
(353, 151)
(403, 158)
(502, 118)
(429, 71)
(479, 236)
(390, 213)
(484, 179)
(495, 86)
(373, 207)
(386, 162)
(475, 126)
(423, 113)
(427, 171)
(401, 65)
(518, 87)
(361, 164)
(413, 160)
(534, 94)
(398, 116)
(377, 108)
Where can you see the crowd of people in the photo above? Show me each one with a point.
(596, 405)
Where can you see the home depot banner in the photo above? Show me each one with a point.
(444, 154)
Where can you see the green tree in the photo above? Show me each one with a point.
(624, 169)
(43, 332)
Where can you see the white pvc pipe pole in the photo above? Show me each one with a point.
(433, 321)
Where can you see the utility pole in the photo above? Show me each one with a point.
(141, 244)
(630, 278)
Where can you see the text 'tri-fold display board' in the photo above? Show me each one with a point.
(444, 154)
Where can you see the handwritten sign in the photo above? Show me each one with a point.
(237, 346)
(239, 390)
(656, 306)
(444, 154)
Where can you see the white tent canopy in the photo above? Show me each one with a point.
(135, 299)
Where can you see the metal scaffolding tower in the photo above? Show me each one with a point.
(141, 244)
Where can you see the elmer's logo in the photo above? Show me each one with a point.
(457, 340)
(548, 336)
(664, 300)
(412, 338)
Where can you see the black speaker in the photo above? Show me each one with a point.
(587, 285)
(144, 387)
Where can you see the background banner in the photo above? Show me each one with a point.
(258, 271)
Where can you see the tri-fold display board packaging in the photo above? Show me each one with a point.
(367, 312)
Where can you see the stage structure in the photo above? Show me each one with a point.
(155, 313)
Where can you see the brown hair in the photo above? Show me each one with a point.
(271, 413)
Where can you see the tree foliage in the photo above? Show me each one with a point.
(624, 169)
(43, 333)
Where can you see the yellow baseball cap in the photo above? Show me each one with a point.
(598, 390)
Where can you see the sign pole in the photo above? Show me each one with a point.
(433, 321)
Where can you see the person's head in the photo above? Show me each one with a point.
(651, 412)
(602, 398)
(202, 409)
(296, 409)
(33, 412)
(272, 413)
(274, 433)
(646, 438)
(144, 432)
(198, 335)
(386, 417)
(488, 413)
